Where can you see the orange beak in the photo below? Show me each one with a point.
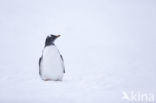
(58, 36)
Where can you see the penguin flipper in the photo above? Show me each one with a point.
(40, 65)
(63, 63)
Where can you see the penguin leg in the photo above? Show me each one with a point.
(52, 80)
(58, 80)
(46, 79)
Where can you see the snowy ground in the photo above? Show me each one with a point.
(108, 47)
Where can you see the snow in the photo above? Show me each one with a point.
(108, 47)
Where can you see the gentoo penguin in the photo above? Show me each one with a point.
(51, 64)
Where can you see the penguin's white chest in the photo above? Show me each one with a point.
(51, 65)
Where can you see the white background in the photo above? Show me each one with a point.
(109, 46)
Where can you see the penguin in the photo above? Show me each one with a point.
(51, 63)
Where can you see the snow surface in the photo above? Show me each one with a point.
(109, 46)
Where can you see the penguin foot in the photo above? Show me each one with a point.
(52, 80)
(47, 79)
(58, 80)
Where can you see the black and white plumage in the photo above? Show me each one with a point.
(51, 64)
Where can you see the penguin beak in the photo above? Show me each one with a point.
(58, 36)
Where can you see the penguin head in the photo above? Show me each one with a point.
(50, 39)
